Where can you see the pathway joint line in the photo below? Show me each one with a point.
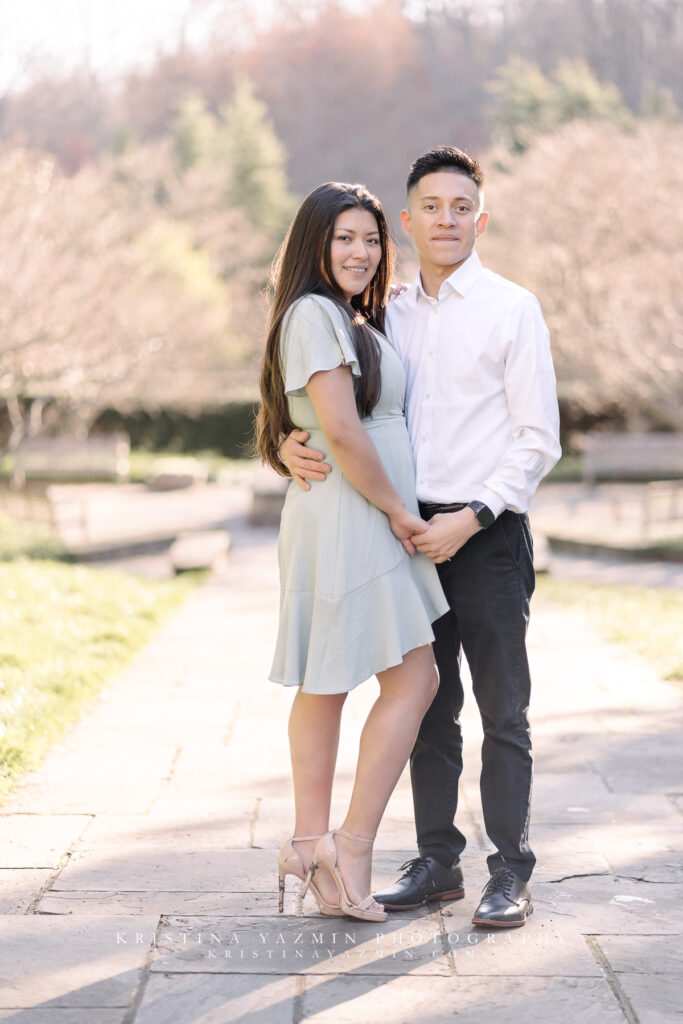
(32, 908)
(145, 971)
(231, 724)
(594, 768)
(587, 874)
(448, 953)
(671, 797)
(165, 780)
(254, 822)
(298, 1003)
(611, 979)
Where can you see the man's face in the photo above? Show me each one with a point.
(443, 218)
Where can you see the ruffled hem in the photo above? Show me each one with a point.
(332, 645)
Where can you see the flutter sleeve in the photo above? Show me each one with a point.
(314, 338)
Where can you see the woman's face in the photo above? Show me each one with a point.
(355, 251)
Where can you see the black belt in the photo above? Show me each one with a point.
(431, 509)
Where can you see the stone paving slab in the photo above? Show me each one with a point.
(653, 854)
(219, 999)
(173, 827)
(38, 840)
(153, 869)
(212, 870)
(644, 954)
(285, 945)
(613, 905)
(178, 904)
(546, 946)
(562, 851)
(656, 999)
(62, 1015)
(19, 886)
(219, 904)
(467, 1000)
(563, 798)
(119, 784)
(70, 962)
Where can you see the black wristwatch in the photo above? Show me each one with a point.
(482, 514)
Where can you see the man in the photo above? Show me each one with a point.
(482, 414)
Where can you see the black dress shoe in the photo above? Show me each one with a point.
(424, 880)
(506, 902)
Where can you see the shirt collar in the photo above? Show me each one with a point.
(462, 280)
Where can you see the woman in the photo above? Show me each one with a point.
(356, 600)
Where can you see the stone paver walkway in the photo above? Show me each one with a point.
(138, 873)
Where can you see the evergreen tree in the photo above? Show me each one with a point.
(579, 95)
(256, 162)
(194, 133)
(527, 103)
(523, 104)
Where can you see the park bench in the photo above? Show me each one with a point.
(655, 456)
(102, 457)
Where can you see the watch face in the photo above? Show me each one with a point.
(483, 513)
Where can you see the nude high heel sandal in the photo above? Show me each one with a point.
(289, 862)
(325, 856)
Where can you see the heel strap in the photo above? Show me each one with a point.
(352, 835)
(303, 839)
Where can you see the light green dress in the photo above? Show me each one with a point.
(352, 601)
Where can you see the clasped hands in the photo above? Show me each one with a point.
(439, 539)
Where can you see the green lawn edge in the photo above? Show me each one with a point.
(67, 631)
(644, 620)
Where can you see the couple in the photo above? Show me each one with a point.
(378, 581)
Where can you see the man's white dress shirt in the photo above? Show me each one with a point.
(481, 402)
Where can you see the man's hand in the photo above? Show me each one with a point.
(303, 463)
(446, 534)
(395, 290)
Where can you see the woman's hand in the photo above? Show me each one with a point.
(405, 525)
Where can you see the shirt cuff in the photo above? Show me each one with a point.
(493, 500)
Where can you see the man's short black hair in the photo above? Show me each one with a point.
(445, 158)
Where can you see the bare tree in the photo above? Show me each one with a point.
(588, 219)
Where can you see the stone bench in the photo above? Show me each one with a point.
(653, 456)
(659, 501)
(267, 497)
(198, 549)
(103, 457)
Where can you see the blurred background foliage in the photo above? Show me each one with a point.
(139, 213)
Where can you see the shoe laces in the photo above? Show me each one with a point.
(501, 881)
(411, 867)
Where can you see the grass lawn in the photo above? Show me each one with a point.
(66, 629)
(647, 620)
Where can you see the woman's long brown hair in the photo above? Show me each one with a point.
(303, 266)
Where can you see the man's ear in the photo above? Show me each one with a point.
(405, 222)
(482, 221)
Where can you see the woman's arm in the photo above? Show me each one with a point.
(331, 394)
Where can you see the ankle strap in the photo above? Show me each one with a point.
(352, 835)
(303, 839)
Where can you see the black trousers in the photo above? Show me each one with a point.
(488, 584)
